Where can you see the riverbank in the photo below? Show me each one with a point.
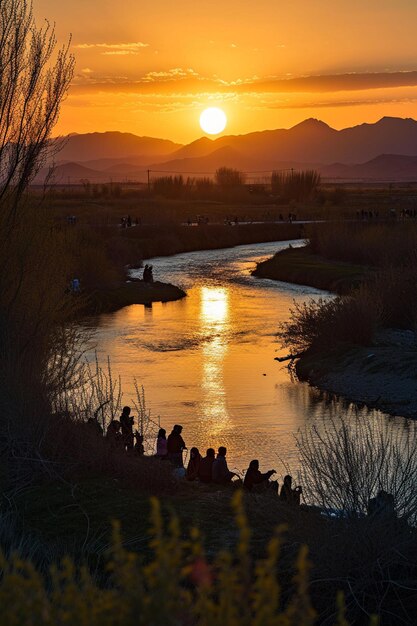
(169, 239)
(381, 376)
(106, 253)
(302, 267)
(131, 292)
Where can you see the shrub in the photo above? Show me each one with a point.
(323, 324)
(347, 461)
(177, 585)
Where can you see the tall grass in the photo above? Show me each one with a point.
(298, 186)
(382, 245)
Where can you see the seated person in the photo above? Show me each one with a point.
(193, 464)
(288, 494)
(220, 472)
(382, 506)
(254, 478)
(161, 444)
(205, 469)
(113, 434)
(139, 448)
(175, 446)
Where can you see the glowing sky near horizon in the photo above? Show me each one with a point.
(151, 67)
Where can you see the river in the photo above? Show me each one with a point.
(207, 361)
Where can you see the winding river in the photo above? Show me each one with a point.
(207, 362)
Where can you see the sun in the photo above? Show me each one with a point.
(213, 120)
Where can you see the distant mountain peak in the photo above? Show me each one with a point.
(397, 121)
(312, 123)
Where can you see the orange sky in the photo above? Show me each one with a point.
(151, 67)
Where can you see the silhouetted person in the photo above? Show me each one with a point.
(205, 470)
(139, 448)
(150, 274)
(220, 472)
(288, 494)
(94, 426)
(254, 478)
(175, 446)
(382, 507)
(146, 274)
(113, 434)
(126, 421)
(193, 464)
(161, 444)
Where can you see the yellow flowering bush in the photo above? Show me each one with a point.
(177, 586)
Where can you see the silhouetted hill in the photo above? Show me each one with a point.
(349, 153)
(386, 167)
(313, 141)
(113, 145)
(200, 147)
(73, 173)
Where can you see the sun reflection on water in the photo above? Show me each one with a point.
(215, 323)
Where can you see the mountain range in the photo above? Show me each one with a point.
(385, 151)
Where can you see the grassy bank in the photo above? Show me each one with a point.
(301, 266)
(165, 240)
(361, 344)
(136, 292)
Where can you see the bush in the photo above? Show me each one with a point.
(177, 585)
(346, 462)
(322, 324)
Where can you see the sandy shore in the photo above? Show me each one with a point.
(383, 376)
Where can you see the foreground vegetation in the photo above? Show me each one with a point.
(62, 483)
(176, 584)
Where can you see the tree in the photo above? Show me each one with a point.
(32, 86)
(34, 78)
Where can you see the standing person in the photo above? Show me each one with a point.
(146, 274)
(193, 464)
(150, 274)
(221, 473)
(254, 477)
(205, 470)
(126, 421)
(288, 494)
(161, 444)
(175, 446)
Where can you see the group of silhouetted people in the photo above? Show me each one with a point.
(213, 468)
(120, 434)
(127, 222)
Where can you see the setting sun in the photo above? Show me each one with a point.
(213, 120)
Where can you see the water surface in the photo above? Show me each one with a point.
(207, 361)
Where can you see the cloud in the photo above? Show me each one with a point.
(172, 74)
(330, 104)
(336, 82)
(114, 48)
(175, 88)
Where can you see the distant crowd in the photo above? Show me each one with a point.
(212, 468)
